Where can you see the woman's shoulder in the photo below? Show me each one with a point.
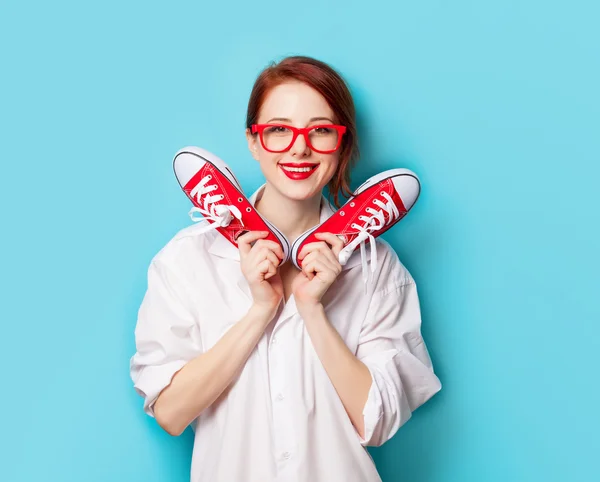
(391, 271)
(187, 246)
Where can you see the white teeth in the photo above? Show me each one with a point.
(297, 169)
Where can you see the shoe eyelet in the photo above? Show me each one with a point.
(342, 213)
(209, 177)
(352, 204)
(240, 199)
(248, 209)
(382, 193)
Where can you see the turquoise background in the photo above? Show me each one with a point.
(495, 104)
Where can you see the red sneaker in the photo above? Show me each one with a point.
(218, 197)
(375, 207)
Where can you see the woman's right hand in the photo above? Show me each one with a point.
(259, 263)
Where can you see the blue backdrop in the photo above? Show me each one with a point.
(494, 104)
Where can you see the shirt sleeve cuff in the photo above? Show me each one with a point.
(372, 412)
(153, 379)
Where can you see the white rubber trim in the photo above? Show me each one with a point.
(385, 175)
(299, 240)
(219, 163)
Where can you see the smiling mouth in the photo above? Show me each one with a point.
(299, 168)
(300, 171)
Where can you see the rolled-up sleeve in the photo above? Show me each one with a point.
(166, 334)
(392, 348)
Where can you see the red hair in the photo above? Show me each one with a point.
(330, 84)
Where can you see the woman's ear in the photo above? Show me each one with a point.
(252, 143)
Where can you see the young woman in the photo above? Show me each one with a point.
(285, 374)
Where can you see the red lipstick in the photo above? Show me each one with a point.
(298, 176)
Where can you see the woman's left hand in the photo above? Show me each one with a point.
(320, 268)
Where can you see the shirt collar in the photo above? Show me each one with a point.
(223, 247)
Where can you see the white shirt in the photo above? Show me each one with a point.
(282, 420)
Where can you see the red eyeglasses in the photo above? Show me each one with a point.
(324, 138)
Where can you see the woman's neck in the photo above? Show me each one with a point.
(290, 216)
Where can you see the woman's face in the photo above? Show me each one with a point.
(299, 105)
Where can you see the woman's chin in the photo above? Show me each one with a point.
(299, 190)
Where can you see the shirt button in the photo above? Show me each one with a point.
(273, 340)
(280, 397)
(286, 455)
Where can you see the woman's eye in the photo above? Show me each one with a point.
(323, 130)
(276, 130)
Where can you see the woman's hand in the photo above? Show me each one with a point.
(259, 263)
(320, 268)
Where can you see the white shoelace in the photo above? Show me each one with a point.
(372, 223)
(221, 215)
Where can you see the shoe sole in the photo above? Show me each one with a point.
(363, 187)
(223, 168)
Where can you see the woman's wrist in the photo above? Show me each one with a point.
(310, 311)
(262, 312)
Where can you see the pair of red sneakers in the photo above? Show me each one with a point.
(218, 198)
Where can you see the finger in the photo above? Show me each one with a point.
(271, 273)
(263, 254)
(245, 239)
(318, 268)
(336, 243)
(327, 254)
(310, 247)
(308, 270)
(270, 245)
(310, 257)
(330, 262)
(266, 268)
(327, 260)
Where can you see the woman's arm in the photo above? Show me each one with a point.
(391, 374)
(350, 377)
(200, 382)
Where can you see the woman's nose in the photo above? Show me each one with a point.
(300, 147)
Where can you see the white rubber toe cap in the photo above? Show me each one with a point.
(186, 164)
(408, 187)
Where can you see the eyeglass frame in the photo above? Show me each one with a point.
(341, 130)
